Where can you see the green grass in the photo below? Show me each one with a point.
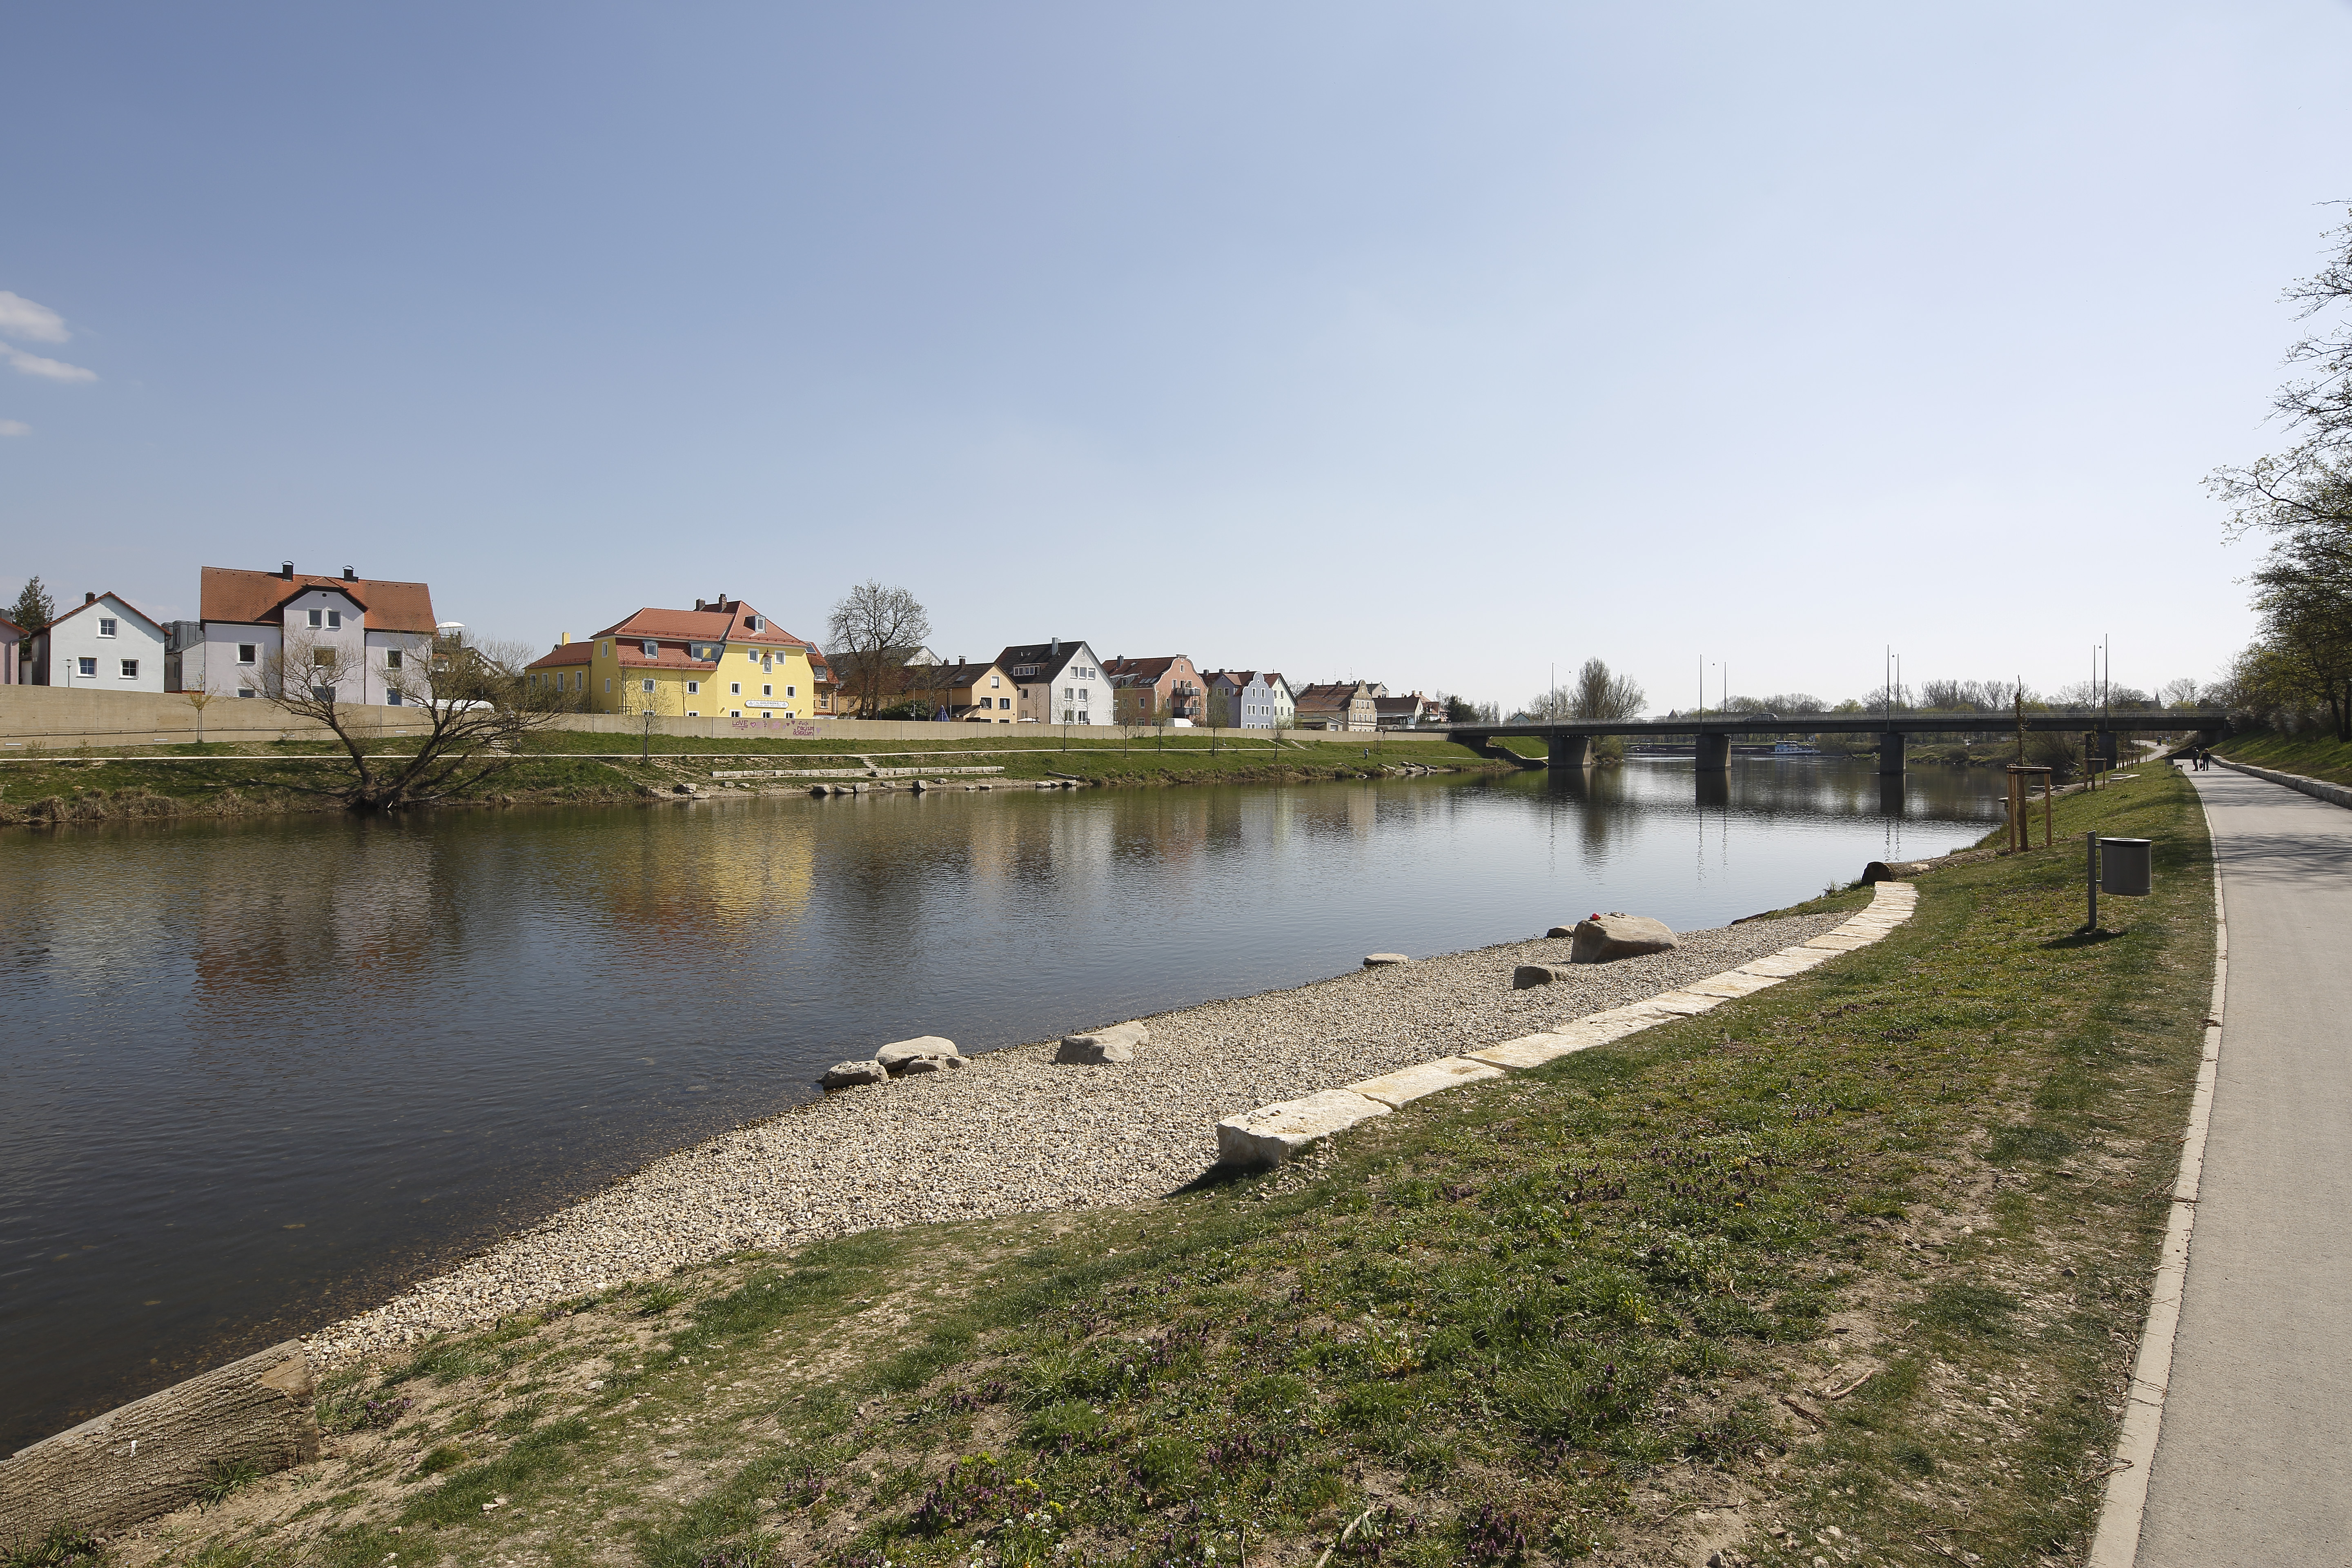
(1916, 1192)
(2317, 755)
(38, 787)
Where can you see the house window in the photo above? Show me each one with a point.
(652, 648)
(608, 686)
(391, 699)
(245, 691)
(334, 620)
(735, 713)
(129, 670)
(89, 667)
(391, 658)
(995, 680)
(792, 691)
(752, 654)
(648, 685)
(734, 689)
(693, 688)
(694, 712)
(604, 650)
(318, 617)
(1004, 702)
(106, 626)
(248, 652)
(323, 657)
(1067, 692)
(767, 691)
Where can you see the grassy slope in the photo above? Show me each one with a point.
(250, 779)
(2314, 755)
(1539, 1319)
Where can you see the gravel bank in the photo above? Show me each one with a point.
(1014, 1132)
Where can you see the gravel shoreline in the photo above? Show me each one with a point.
(1014, 1133)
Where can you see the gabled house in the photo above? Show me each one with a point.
(1154, 691)
(103, 643)
(720, 659)
(1339, 705)
(1057, 682)
(364, 630)
(12, 647)
(1410, 711)
(973, 693)
(1252, 699)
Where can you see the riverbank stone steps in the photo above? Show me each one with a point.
(1271, 1135)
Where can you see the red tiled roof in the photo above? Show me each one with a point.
(702, 625)
(239, 597)
(564, 654)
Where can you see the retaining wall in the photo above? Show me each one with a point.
(156, 1454)
(2318, 789)
(63, 717)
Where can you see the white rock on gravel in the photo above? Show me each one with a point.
(1012, 1133)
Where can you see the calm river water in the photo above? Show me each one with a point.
(255, 1075)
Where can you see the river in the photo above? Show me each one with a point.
(256, 1074)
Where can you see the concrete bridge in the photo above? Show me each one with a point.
(1568, 742)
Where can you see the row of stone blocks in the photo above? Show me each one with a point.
(1272, 1133)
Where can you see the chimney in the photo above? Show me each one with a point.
(90, 598)
(350, 575)
(1056, 646)
(562, 639)
(698, 604)
(287, 571)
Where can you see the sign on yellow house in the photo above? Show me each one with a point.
(721, 660)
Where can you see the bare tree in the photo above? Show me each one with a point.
(870, 635)
(1598, 694)
(2307, 483)
(473, 704)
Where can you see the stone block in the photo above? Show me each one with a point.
(156, 1454)
(896, 1056)
(1527, 1051)
(1604, 938)
(1732, 982)
(1528, 975)
(1396, 1088)
(1272, 1133)
(1685, 1003)
(1102, 1047)
(1788, 962)
(850, 1074)
(1836, 942)
(1383, 960)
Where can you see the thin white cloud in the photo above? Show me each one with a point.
(15, 428)
(21, 318)
(49, 369)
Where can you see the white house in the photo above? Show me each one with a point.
(1253, 699)
(1057, 682)
(365, 630)
(103, 643)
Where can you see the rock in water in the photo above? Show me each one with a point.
(1382, 960)
(849, 1075)
(899, 1057)
(1602, 938)
(1103, 1047)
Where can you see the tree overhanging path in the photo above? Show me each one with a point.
(2250, 1457)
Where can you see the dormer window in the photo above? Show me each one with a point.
(653, 649)
(755, 624)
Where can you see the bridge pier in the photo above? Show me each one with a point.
(1714, 753)
(1568, 750)
(1890, 755)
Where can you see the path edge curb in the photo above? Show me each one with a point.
(2116, 1543)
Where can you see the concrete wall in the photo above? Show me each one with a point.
(2318, 789)
(57, 718)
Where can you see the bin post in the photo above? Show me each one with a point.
(2091, 861)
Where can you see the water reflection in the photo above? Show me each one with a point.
(260, 1074)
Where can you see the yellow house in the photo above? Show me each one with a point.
(720, 659)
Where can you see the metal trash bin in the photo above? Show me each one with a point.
(2123, 866)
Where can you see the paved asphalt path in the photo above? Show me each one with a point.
(2253, 1462)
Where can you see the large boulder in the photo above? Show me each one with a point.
(1602, 938)
(1103, 1047)
(849, 1075)
(899, 1057)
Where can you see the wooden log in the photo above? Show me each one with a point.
(156, 1454)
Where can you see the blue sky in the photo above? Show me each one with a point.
(1430, 344)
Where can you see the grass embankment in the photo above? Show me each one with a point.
(573, 767)
(2314, 755)
(1851, 1269)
